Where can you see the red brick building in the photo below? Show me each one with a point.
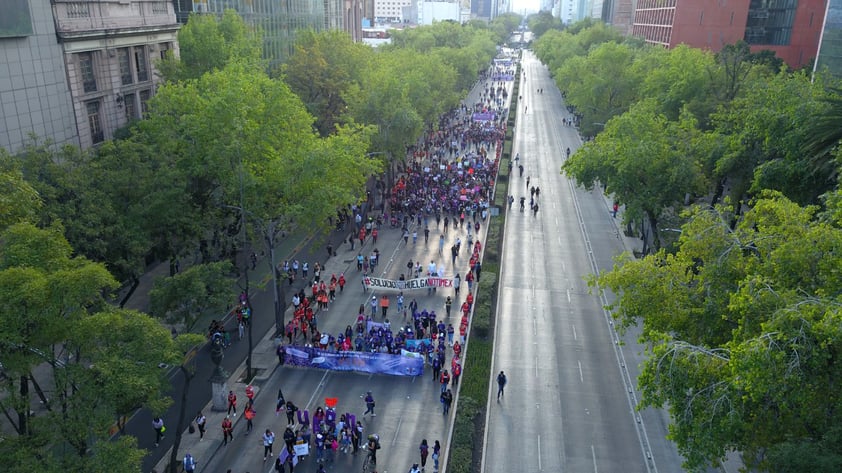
(791, 28)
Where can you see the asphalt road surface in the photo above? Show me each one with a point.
(569, 402)
(408, 408)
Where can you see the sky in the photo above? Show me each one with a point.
(519, 5)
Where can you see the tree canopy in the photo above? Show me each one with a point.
(740, 325)
(209, 43)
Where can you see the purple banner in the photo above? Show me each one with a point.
(375, 363)
(484, 117)
(503, 77)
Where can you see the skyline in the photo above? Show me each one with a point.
(519, 6)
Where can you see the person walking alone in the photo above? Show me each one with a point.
(369, 404)
(268, 440)
(158, 426)
(501, 384)
(201, 420)
(189, 463)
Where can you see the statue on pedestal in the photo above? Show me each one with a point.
(219, 379)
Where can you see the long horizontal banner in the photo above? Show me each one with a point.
(484, 116)
(398, 285)
(375, 363)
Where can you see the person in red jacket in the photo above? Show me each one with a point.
(249, 415)
(227, 430)
(250, 394)
(341, 282)
(444, 379)
(232, 403)
(457, 370)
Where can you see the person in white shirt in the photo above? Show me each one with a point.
(268, 440)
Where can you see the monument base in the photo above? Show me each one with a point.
(219, 397)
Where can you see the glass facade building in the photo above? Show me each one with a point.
(830, 46)
(278, 20)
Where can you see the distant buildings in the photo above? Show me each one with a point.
(278, 20)
(790, 28)
(829, 56)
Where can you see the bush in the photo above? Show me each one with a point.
(462, 452)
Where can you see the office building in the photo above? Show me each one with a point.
(829, 57)
(77, 71)
(790, 28)
(278, 20)
(34, 95)
(110, 49)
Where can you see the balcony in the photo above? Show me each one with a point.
(91, 19)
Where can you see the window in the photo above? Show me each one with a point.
(131, 107)
(159, 8)
(140, 64)
(86, 71)
(144, 97)
(770, 21)
(78, 10)
(125, 60)
(163, 48)
(94, 123)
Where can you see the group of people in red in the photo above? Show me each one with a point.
(304, 320)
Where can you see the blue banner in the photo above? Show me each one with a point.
(375, 363)
(413, 344)
(484, 116)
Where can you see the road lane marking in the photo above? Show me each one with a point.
(574, 332)
(581, 376)
(593, 454)
(397, 431)
(540, 468)
(568, 296)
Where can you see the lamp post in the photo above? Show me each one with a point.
(250, 320)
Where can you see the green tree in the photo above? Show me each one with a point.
(600, 85)
(542, 22)
(19, 201)
(321, 70)
(185, 297)
(740, 325)
(764, 129)
(503, 25)
(103, 362)
(676, 78)
(247, 145)
(209, 43)
(824, 133)
(646, 161)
